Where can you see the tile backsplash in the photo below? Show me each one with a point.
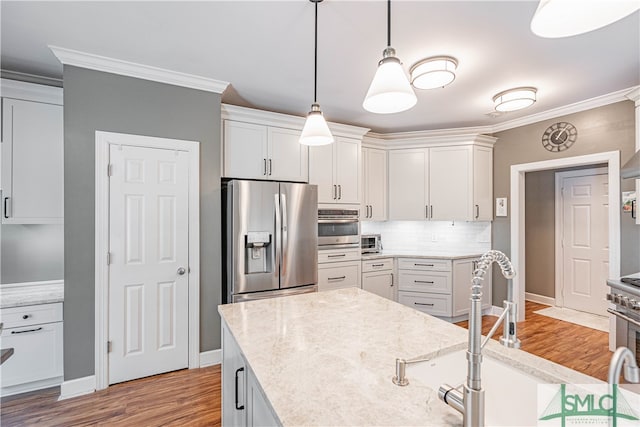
(431, 235)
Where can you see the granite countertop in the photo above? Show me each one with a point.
(423, 254)
(327, 358)
(21, 294)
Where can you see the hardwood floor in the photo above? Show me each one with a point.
(193, 397)
(583, 349)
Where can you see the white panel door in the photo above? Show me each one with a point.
(288, 159)
(408, 184)
(245, 150)
(450, 186)
(376, 183)
(321, 172)
(585, 243)
(148, 237)
(347, 170)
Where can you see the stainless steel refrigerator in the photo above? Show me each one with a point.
(270, 239)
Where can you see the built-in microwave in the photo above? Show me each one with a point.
(338, 228)
(370, 243)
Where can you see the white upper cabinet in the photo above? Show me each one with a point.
(408, 184)
(257, 151)
(442, 183)
(374, 165)
(32, 156)
(336, 170)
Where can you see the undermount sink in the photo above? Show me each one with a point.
(510, 394)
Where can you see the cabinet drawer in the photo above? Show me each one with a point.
(339, 275)
(37, 354)
(15, 317)
(434, 304)
(424, 264)
(333, 255)
(424, 282)
(377, 265)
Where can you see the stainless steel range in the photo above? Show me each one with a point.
(625, 294)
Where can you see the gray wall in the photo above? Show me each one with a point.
(31, 253)
(101, 101)
(607, 128)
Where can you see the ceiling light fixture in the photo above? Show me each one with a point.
(434, 72)
(515, 99)
(315, 130)
(390, 91)
(564, 18)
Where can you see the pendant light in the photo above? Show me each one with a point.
(390, 91)
(316, 131)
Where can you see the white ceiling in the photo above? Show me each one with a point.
(265, 50)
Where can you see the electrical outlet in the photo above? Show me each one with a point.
(501, 206)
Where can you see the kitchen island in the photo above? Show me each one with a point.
(328, 358)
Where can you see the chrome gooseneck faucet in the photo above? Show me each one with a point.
(623, 356)
(470, 401)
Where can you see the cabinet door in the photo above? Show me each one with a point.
(375, 184)
(450, 185)
(408, 184)
(482, 184)
(347, 172)
(259, 412)
(234, 375)
(245, 150)
(339, 275)
(288, 160)
(379, 283)
(321, 172)
(462, 276)
(32, 162)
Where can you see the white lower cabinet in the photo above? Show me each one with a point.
(377, 277)
(243, 401)
(338, 268)
(35, 334)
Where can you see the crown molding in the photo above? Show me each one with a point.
(31, 92)
(634, 95)
(588, 104)
(431, 138)
(30, 78)
(269, 118)
(140, 71)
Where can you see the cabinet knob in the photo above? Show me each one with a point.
(25, 316)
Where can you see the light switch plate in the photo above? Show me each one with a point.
(501, 206)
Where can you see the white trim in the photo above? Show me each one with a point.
(612, 158)
(634, 95)
(559, 226)
(77, 387)
(449, 137)
(494, 310)
(103, 140)
(31, 92)
(30, 386)
(210, 358)
(5, 286)
(140, 71)
(541, 299)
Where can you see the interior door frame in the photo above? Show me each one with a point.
(517, 220)
(103, 141)
(559, 225)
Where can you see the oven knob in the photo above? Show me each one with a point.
(624, 301)
(634, 305)
(609, 296)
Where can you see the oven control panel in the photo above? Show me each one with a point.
(624, 301)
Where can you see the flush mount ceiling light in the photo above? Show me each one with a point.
(434, 72)
(315, 130)
(564, 18)
(515, 99)
(390, 91)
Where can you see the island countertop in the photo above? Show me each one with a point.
(327, 358)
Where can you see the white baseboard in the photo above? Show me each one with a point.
(77, 387)
(210, 358)
(31, 386)
(539, 299)
(494, 311)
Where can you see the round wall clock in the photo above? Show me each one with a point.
(559, 137)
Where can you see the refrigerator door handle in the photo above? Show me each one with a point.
(285, 239)
(278, 236)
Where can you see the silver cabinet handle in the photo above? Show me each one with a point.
(238, 407)
(339, 192)
(264, 166)
(26, 331)
(477, 211)
(270, 167)
(335, 191)
(181, 271)
(431, 215)
(377, 265)
(426, 211)
(423, 281)
(370, 211)
(337, 278)
(336, 256)
(423, 265)
(391, 279)
(421, 303)
(6, 207)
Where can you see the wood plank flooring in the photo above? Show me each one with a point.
(193, 397)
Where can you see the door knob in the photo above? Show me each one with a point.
(181, 271)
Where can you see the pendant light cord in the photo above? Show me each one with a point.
(388, 23)
(315, 60)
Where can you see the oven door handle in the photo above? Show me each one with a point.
(339, 221)
(623, 316)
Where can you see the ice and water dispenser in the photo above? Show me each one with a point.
(258, 252)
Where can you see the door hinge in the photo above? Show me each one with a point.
(108, 258)
(110, 169)
(108, 346)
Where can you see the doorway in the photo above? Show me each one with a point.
(147, 256)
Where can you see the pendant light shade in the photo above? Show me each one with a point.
(564, 18)
(316, 130)
(390, 91)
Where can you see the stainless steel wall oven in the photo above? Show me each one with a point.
(338, 228)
